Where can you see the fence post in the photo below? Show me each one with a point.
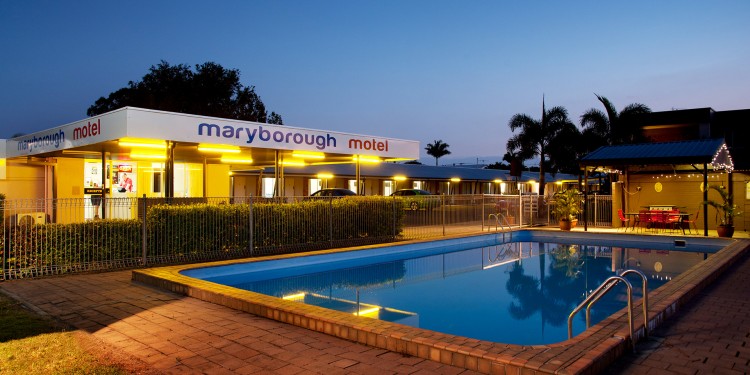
(596, 211)
(252, 226)
(393, 220)
(330, 221)
(144, 242)
(482, 212)
(443, 197)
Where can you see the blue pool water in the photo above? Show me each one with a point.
(518, 292)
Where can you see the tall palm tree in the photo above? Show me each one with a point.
(437, 149)
(612, 128)
(537, 135)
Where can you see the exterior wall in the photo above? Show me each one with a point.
(295, 186)
(70, 178)
(684, 192)
(217, 180)
(70, 181)
(23, 181)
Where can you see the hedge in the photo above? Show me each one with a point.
(200, 231)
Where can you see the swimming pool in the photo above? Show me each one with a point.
(485, 287)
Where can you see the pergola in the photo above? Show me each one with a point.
(693, 156)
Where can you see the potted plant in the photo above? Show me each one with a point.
(567, 205)
(726, 211)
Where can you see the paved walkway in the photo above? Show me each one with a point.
(710, 335)
(176, 334)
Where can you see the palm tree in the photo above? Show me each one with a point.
(612, 128)
(437, 149)
(537, 135)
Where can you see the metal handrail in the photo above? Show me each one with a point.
(645, 296)
(498, 223)
(598, 293)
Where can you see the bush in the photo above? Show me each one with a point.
(200, 231)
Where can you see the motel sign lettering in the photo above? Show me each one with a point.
(370, 145)
(89, 130)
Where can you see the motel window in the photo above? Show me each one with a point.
(315, 185)
(267, 187)
(157, 182)
(353, 186)
(387, 187)
(418, 185)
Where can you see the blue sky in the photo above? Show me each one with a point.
(420, 70)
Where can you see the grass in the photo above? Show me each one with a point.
(31, 344)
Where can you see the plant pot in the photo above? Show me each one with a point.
(726, 231)
(566, 224)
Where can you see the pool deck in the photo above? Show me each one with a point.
(171, 333)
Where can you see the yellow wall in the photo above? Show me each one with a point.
(23, 181)
(686, 193)
(217, 180)
(70, 178)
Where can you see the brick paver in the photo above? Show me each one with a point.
(711, 335)
(177, 334)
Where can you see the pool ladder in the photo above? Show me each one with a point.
(606, 287)
(502, 222)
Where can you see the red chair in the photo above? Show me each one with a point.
(690, 222)
(644, 218)
(673, 220)
(624, 220)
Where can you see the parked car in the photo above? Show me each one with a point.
(333, 192)
(418, 199)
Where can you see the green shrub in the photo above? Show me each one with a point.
(200, 231)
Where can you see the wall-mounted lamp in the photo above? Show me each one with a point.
(128, 142)
(231, 160)
(219, 148)
(148, 156)
(308, 155)
(366, 159)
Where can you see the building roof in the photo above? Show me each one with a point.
(709, 151)
(244, 139)
(419, 172)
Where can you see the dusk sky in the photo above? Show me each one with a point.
(419, 70)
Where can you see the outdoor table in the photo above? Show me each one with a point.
(683, 217)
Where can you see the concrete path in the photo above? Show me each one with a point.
(176, 334)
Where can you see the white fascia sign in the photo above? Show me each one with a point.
(179, 127)
(93, 130)
(199, 129)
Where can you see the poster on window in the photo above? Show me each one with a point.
(124, 179)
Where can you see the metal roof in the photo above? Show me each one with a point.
(419, 171)
(709, 151)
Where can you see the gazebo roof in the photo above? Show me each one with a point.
(709, 151)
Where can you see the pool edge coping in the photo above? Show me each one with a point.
(589, 352)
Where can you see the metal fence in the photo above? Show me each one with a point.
(46, 237)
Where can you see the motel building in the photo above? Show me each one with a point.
(100, 165)
(134, 152)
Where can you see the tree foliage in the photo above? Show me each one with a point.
(209, 90)
(551, 138)
(437, 149)
(610, 127)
